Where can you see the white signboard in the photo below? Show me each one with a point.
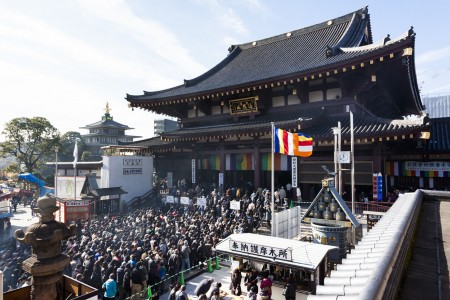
(77, 202)
(132, 171)
(235, 205)
(261, 250)
(170, 199)
(184, 200)
(294, 172)
(193, 170)
(220, 179)
(201, 201)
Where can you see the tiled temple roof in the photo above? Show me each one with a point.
(292, 53)
(439, 135)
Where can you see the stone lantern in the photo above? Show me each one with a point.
(46, 263)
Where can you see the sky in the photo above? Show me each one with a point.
(65, 59)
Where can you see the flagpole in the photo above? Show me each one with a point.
(352, 157)
(273, 180)
(75, 160)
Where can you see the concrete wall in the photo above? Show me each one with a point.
(133, 173)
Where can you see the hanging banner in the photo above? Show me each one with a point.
(169, 180)
(294, 171)
(220, 179)
(193, 170)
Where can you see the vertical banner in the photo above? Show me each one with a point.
(220, 179)
(380, 187)
(169, 180)
(294, 171)
(377, 185)
(193, 170)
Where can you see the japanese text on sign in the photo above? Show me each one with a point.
(132, 162)
(294, 172)
(261, 250)
(132, 171)
(427, 166)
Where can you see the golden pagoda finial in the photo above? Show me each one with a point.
(107, 109)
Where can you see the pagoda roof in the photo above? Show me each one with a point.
(106, 122)
(336, 46)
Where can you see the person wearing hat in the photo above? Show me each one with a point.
(203, 286)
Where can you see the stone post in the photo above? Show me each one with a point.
(46, 263)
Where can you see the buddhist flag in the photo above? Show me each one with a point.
(305, 145)
(294, 144)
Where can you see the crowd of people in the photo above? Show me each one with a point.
(123, 255)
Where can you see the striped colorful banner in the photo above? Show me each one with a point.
(282, 162)
(397, 168)
(239, 162)
(211, 163)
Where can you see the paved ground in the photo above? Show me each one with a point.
(21, 219)
(223, 276)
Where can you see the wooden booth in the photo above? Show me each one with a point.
(71, 210)
(309, 262)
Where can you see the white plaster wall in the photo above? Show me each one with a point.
(112, 175)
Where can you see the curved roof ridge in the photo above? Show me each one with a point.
(384, 42)
(151, 93)
(354, 32)
(302, 31)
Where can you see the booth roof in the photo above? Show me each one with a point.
(304, 255)
(31, 178)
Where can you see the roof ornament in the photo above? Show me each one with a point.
(231, 48)
(107, 109)
(329, 52)
(107, 115)
(411, 31)
(386, 39)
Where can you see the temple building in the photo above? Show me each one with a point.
(105, 132)
(304, 81)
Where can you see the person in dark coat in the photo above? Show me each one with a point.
(251, 280)
(290, 288)
(235, 286)
(203, 286)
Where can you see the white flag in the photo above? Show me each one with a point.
(75, 154)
